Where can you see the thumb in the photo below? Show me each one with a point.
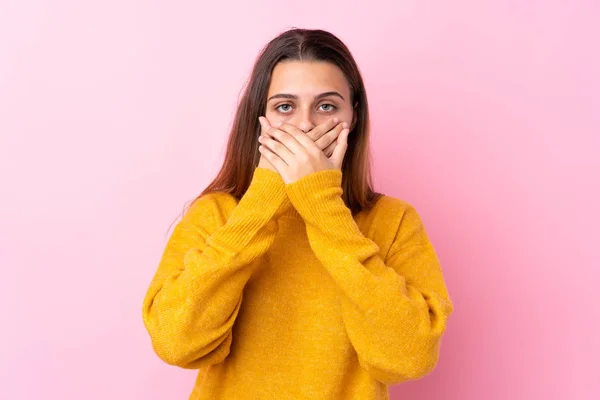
(340, 149)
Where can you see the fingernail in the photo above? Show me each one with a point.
(279, 123)
(335, 120)
(345, 125)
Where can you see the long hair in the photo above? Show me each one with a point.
(242, 153)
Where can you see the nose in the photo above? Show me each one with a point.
(303, 120)
(306, 126)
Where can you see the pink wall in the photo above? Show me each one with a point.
(113, 114)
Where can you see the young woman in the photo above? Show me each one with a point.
(289, 277)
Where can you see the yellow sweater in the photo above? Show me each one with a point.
(286, 295)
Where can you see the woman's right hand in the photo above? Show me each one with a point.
(264, 163)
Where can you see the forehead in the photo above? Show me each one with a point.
(308, 78)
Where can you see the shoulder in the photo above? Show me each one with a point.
(210, 209)
(401, 219)
(396, 209)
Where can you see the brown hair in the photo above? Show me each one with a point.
(242, 153)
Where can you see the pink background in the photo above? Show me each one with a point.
(114, 114)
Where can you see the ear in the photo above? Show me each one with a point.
(354, 117)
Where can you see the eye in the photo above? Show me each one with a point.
(284, 108)
(327, 107)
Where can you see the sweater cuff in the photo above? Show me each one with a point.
(255, 210)
(318, 194)
(273, 190)
(266, 193)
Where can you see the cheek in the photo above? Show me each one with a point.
(274, 117)
(344, 115)
(348, 116)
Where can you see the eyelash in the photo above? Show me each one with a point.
(333, 108)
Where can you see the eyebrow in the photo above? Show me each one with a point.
(294, 97)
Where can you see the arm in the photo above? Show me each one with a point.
(196, 293)
(395, 310)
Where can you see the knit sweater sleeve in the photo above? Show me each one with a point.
(396, 309)
(196, 293)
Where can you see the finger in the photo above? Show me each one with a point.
(340, 150)
(291, 141)
(322, 129)
(328, 151)
(273, 158)
(291, 129)
(277, 147)
(331, 136)
(264, 124)
(296, 142)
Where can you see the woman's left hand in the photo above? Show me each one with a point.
(295, 155)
